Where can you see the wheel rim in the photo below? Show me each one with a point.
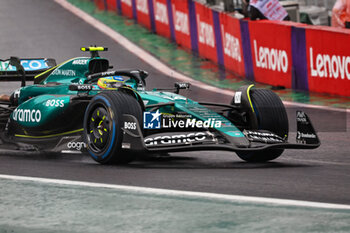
(98, 129)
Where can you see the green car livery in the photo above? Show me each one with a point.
(81, 106)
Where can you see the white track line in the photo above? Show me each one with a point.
(155, 63)
(176, 193)
(312, 161)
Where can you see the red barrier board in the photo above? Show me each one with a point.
(100, 4)
(142, 10)
(127, 8)
(232, 44)
(161, 17)
(205, 30)
(181, 23)
(328, 56)
(271, 53)
(111, 5)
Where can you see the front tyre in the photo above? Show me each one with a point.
(272, 116)
(103, 122)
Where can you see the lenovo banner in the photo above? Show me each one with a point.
(232, 44)
(127, 8)
(328, 59)
(111, 5)
(101, 4)
(205, 31)
(143, 13)
(271, 53)
(161, 17)
(181, 21)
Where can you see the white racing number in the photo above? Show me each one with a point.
(238, 96)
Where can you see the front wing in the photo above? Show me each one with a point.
(306, 138)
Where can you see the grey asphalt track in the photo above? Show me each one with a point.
(41, 28)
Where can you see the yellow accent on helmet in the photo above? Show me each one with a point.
(108, 83)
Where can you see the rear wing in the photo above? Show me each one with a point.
(32, 67)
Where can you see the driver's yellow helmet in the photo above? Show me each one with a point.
(110, 83)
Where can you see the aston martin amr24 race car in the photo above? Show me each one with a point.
(80, 106)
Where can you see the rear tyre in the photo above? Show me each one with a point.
(271, 115)
(103, 123)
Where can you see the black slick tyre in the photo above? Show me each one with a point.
(103, 122)
(272, 116)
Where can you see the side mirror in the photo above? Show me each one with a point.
(143, 74)
(181, 85)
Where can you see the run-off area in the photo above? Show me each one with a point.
(31, 206)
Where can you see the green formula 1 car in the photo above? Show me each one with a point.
(80, 106)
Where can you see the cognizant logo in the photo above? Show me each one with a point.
(26, 115)
(76, 145)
